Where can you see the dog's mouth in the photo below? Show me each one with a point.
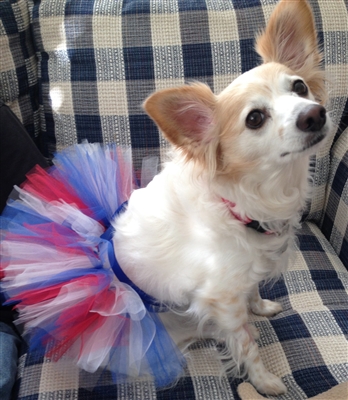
(317, 138)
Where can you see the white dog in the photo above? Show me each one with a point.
(222, 215)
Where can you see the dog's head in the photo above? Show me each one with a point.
(272, 113)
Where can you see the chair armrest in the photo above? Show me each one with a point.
(334, 224)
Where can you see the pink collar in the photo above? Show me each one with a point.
(250, 223)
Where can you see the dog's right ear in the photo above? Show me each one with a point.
(185, 115)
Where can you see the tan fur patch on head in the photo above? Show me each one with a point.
(230, 108)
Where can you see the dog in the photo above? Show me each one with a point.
(222, 215)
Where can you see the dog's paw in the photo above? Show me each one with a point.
(270, 384)
(266, 308)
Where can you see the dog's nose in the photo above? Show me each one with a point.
(312, 118)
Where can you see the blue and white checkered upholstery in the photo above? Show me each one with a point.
(97, 60)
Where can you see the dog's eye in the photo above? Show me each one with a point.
(300, 88)
(255, 119)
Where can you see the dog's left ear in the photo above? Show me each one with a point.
(290, 38)
(185, 115)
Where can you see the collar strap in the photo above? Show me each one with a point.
(150, 302)
(250, 223)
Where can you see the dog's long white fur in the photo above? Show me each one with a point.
(179, 242)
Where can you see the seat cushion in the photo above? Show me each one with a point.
(305, 344)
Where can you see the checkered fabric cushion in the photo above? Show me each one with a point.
(335, 218)
(19, 87)
(305, 344)
(99, 60)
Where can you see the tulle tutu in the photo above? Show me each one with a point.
(56, 268)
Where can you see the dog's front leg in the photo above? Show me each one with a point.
(247, 351)
(231, 316)
(263, 307)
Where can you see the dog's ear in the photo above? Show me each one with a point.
(290, 38)
(185, 115)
